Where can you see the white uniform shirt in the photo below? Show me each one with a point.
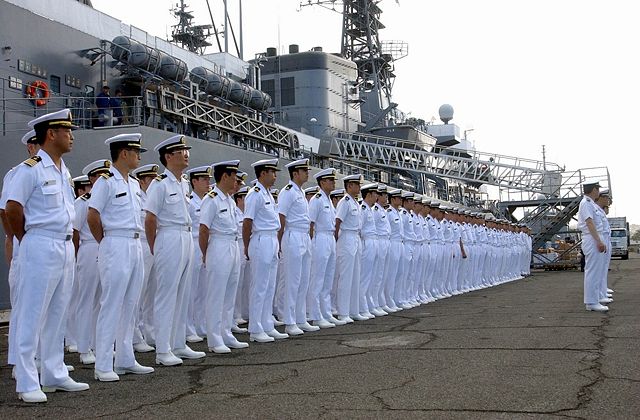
(293, 205)
(417, 226)
(168, 200)
(260, 207)
(368, 228)
(587, 210)
(407, 225)
(80, 221)
(239, 221)
(117, 201)
(432, 226)
(348, 212)
(143, 213)
(45, 193)
(382, 222)
(218, 213)
(3, 204)
(322, 213)
(195, 205)
(395, 224)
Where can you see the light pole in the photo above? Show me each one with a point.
(313, 121)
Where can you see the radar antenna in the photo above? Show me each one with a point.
(186, 34)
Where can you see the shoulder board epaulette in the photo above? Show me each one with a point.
(389, 209)
(161, 177)
(32, 161)
(256, 189)
(318, 195)
(106, 175)
(363, 206)
(375, 208)
(404, 212)
(347, 198)
(212, 194)
(190, 196)
(86, 196)
(288, 187)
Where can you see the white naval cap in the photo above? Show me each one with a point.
(30, 137)
(373, 187)
(97, 167)
(435, 204)
(425, 200)
(128, 140)
(382, 188)
(353, 178)
(298, 164)
(146, 170)
(242, 192)
(266, 164)
(227, 165)
(337, 192)
(199, 171)
(407, 195)
(605, 192)
(241, 176)
(177, 142)
(394, 192)
(58, 119)
(417, 198)
(329, 173)
(81, 181)
(311, 190)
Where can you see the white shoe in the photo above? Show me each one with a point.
(72, 348)
(277, 334)
(233, 343)
(596, 307)
(277, 323)
(306, 327)
(222, 349)
(609, 295)
(405, 306)
(346, 319)
(240, 321)
(378, 312)
(387, 309)
(187, 353)
(69, 386)
(36, 396)
(167, 359)
(323, 323)
(358, 317)
(293, 330)
(87, 358)
(109, 376)
(606, 300)
(368, 314)
(70, 368)
(337, 321)
(136, 369)
(193, 338)
(609, 290)
(238, 330)
(143, 347)
(261, 338)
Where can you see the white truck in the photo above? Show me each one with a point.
(619, 237)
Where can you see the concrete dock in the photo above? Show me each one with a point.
(521, 350)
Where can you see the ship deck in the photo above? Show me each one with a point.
(525, 349)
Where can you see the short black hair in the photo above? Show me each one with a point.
(163, 158)
(41, 134)
(366, 193)
(588, 188)
(218, 171)
(115, 149)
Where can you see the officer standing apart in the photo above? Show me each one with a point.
(594, 249)
(40, 212)
(115, 222)
(219, 245)
(260, 236)
(295, 243)
(168, 229)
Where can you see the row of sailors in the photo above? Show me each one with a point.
(157, 265)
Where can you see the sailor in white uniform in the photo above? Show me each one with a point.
(409, 238)
(259, 233)
(393, 270)
(115, 222)
(369, 241)
(603, 203)
(348, 251)
(168, 230)
(241, 306)
(295, 244)
(200, 179)
(11, 242)
(86, 299)
(383, 231)
(40, 212)
(219, 246)
(143, 321)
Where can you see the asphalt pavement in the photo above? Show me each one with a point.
(521, 350)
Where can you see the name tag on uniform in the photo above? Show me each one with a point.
(223, 210)
(197, 210)
(268, 202)
(171, 195)
(138, 194)
(122, 194)
(49, 182)
(326, 207)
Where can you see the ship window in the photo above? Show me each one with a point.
(269, 87)
(618, 233)
(287, 91)
(54, 84)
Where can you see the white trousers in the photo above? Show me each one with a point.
(43, 294)
(87, 284)
(222, 274)
(392, 272)
(296, 266)
(323, 269)
(143, 321)
(595, 261)
(367, 273)
(121, 270)
(196, 320)
(13, 291)
(263, 254)
(348, 251)
(241, 306)
(376, 290)
(172, 269)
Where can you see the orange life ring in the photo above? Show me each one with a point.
(38, 92)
